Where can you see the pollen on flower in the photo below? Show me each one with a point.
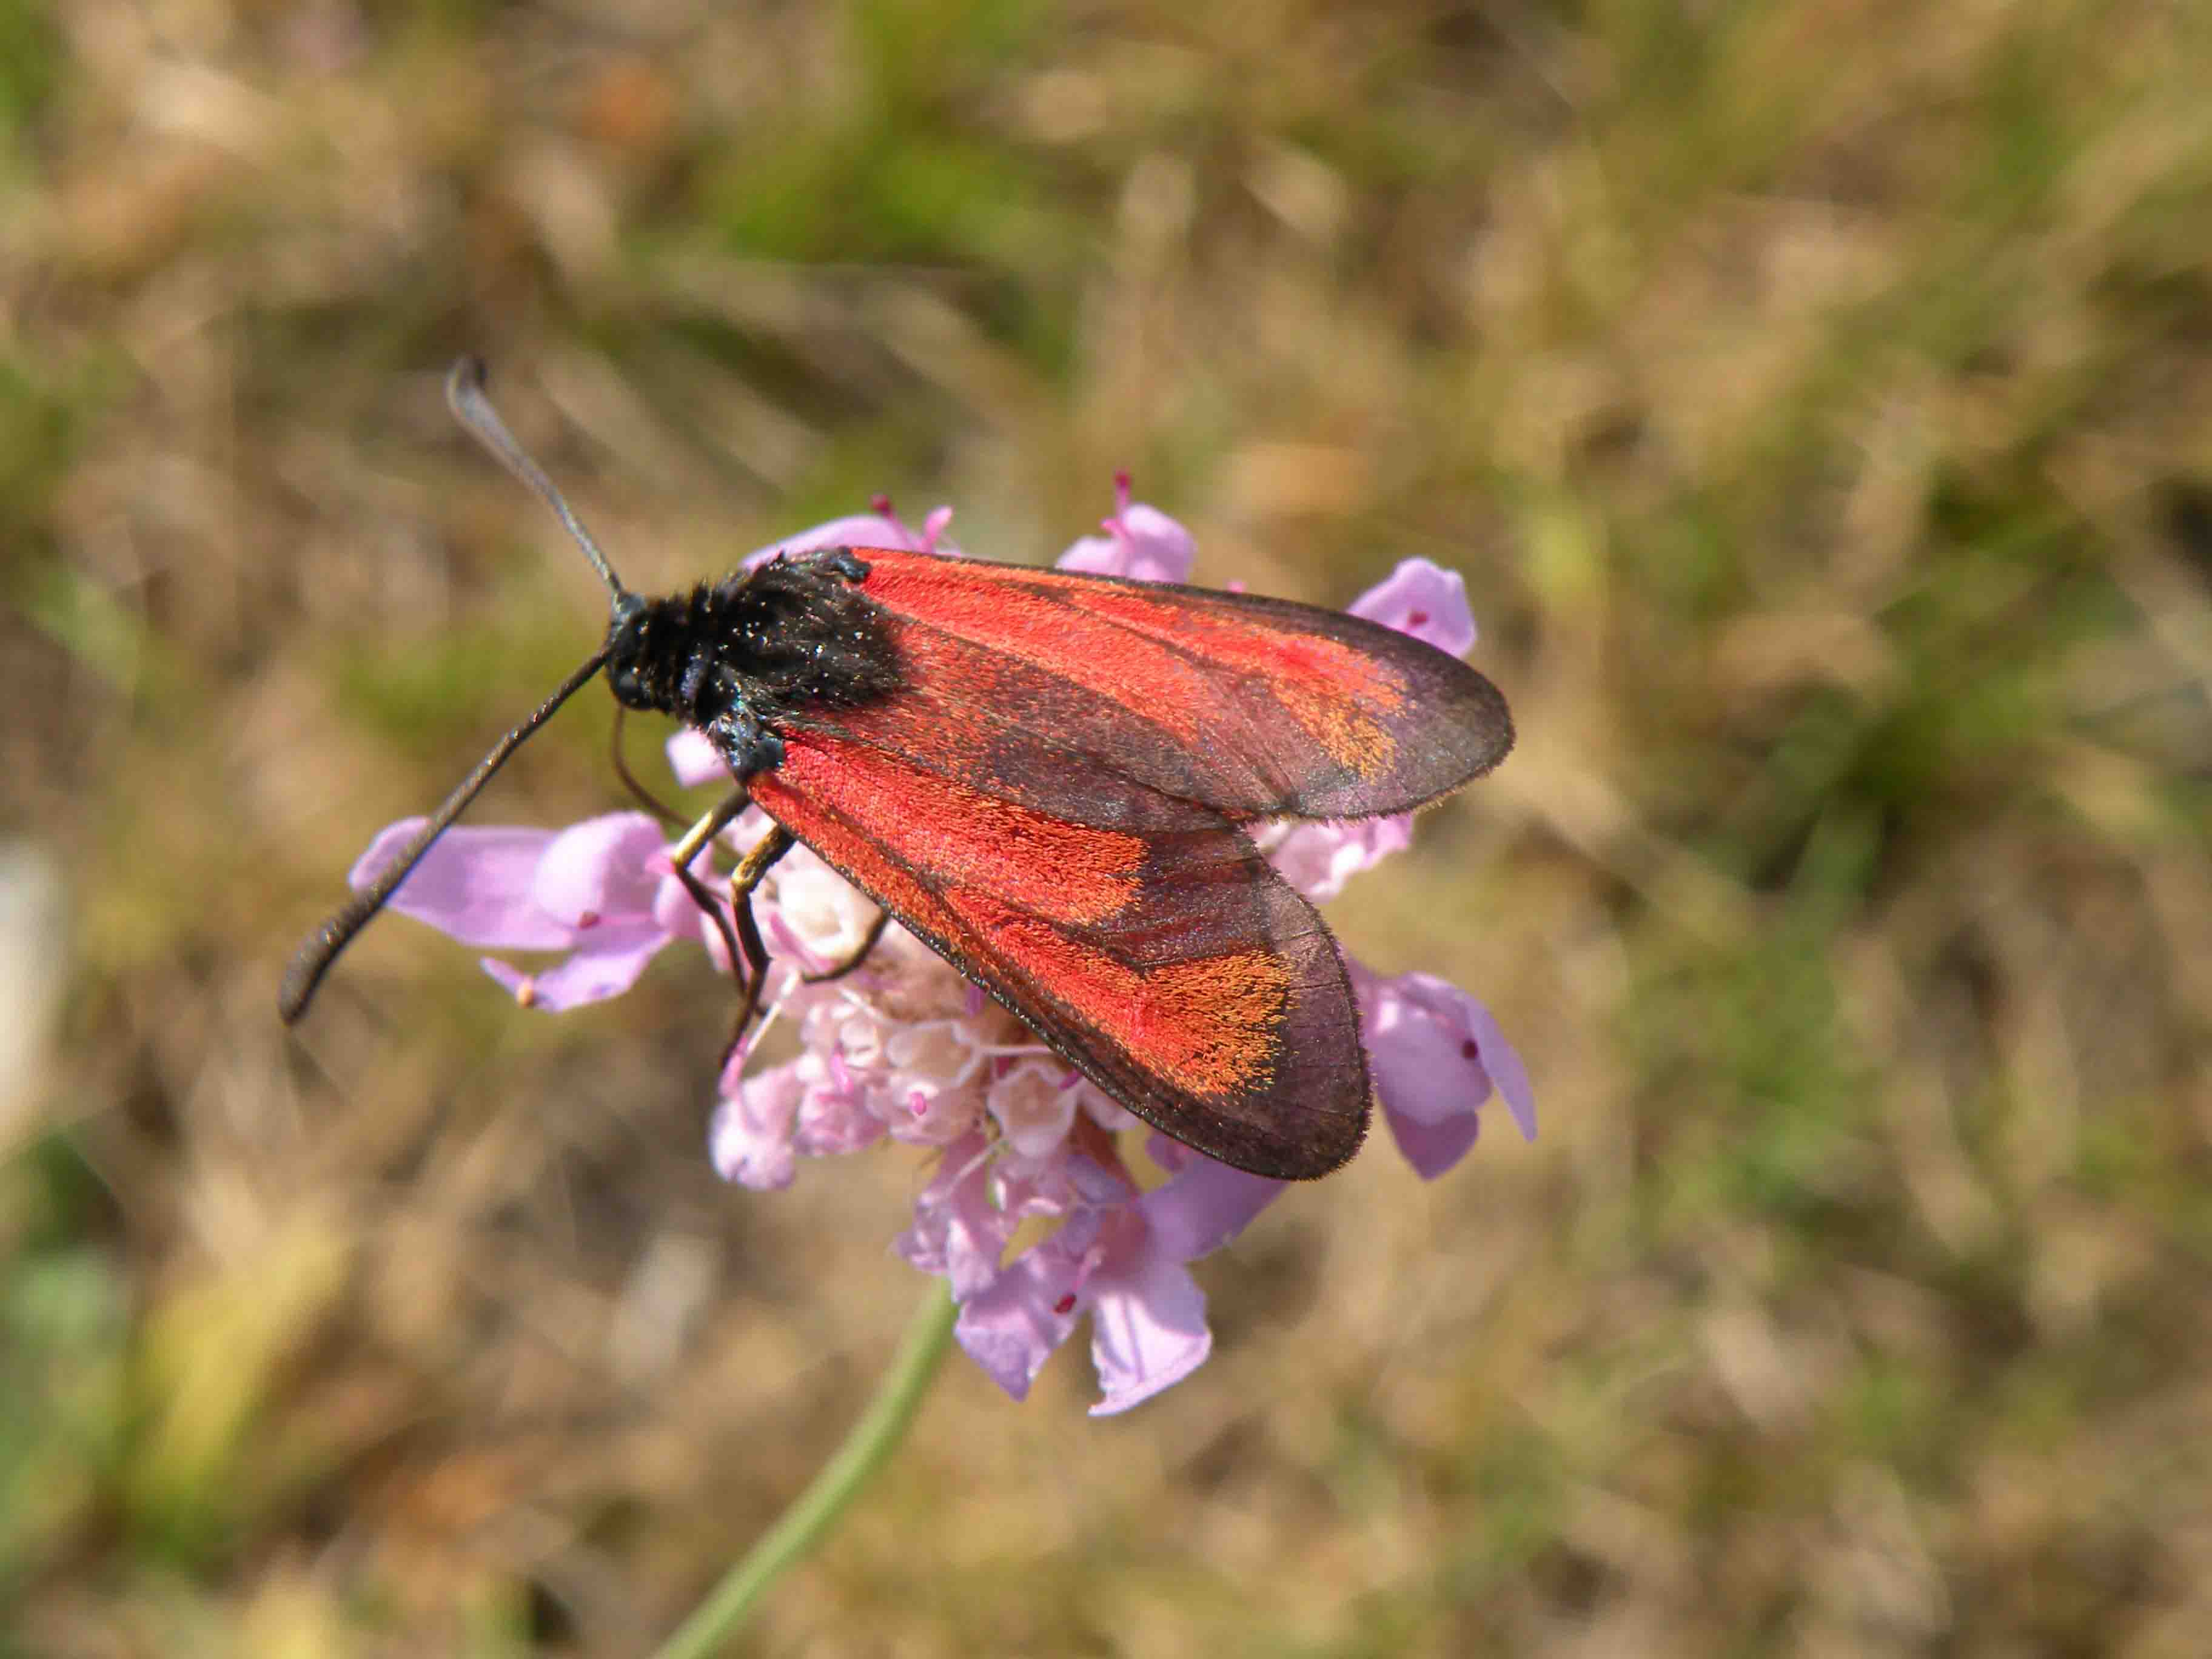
(526, 994)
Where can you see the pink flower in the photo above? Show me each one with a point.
(880, 527)
(1120, 1255)
(1318, 859)
(1436, 1054)
(604, 891)
(1141, 543)
(905, 1049)
(1423, 599)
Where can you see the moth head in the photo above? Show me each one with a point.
(627, 627)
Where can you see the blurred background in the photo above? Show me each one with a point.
(1818, 399)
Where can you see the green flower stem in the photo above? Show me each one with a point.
(808, 1520)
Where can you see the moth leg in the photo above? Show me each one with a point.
(645, 797)
(744, 880)
(860, 954)
(725, 813)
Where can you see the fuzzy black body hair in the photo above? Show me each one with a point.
(733, 658)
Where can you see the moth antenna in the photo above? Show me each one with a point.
(321, 948)
(465, 393)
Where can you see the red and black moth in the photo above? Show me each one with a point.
(1049, 778)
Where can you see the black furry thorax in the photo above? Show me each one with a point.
(736, 657)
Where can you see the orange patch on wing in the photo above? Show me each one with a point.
(952, 834)
(1231, 1006)
(1207, 1027)
(1351, 739)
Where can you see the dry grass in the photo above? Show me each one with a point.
(1818, 399)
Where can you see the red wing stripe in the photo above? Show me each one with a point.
(1013, 619)
(966, 837)
(1082, 758)
(1170, 656)
(1320, 679)
(1226, 743)
(862, 784)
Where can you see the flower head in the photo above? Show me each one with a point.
(1141, 542)
(902, 1049)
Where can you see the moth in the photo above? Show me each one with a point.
(1051, 778)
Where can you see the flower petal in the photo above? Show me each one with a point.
(1202, 1206)
(474, 884)
(862, 530)
(1035, 1104)
(1318, 859)
(1095, 556)
(750, 1137)
(600, 873)
(1432, 1148)
(1504, 1063)
(1148, 1329)
(824, 915)
(837, 1115)
(957, 1232)
(1011, 1327)
(1429, 1045)
(606, 964)
(932, 533)
(1141, 543)
(855, 530)
(1423, 599)
(694, 760)
(1161, 549)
